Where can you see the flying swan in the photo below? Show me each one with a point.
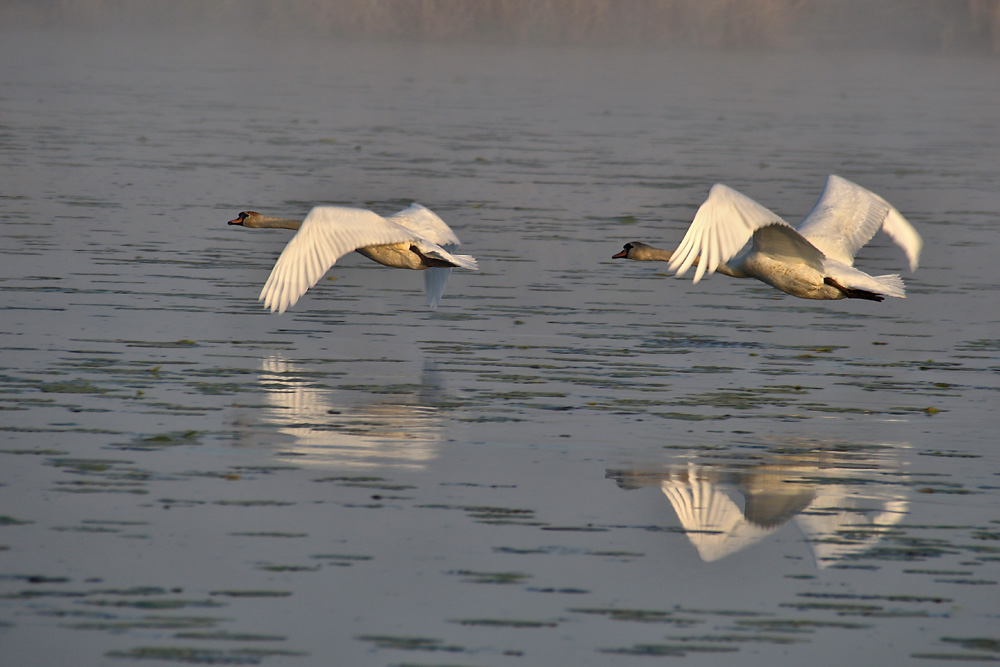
(414, 238)
(815, 261)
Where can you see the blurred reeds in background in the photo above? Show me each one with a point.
(928, 25)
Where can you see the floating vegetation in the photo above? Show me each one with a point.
(915, 599)
(505, 623)
(70, 387)
(975, 643)
(562, 591)
(169, 439)
(953, 657)
(253, 503)
(502, 578)
(7, 520)
(799, 624)
(952, 454)
(342, 560)
(202, 656)
(981, 345)
(251, 594)
(410, 643)
(639, 615)
(288, 568)
(112, 624)
(492, 515)
(176, 344)
(153, 604)
(230, 636)
(81, 465)
(678, 650)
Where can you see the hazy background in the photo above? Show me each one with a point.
(933, 25)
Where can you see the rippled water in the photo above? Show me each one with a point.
(573, 460)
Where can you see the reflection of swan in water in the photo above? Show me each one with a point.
(347, 428)
(829, 500)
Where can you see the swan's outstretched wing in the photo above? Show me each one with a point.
(723, 225)
(426, 222)
(327, 234)
(847, 216)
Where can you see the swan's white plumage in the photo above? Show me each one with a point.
(426, 222)
(330, 232)
(844, 219)
(847, 216)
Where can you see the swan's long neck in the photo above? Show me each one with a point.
(263, 221)
(647, 253)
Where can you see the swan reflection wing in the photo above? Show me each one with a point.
(847, 216)
(327, 234)
(722, 225)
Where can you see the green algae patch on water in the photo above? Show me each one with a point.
(505, 623)
(500, 578)
(202, 656)
(639, 615)
(404, 643)
(677, 650)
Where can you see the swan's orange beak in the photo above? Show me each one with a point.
(622, 255)
(237, 221)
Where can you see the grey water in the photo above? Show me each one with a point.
(573, 460)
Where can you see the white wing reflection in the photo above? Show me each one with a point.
(842, 505)
(350, 428)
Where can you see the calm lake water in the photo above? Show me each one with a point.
(573, 460)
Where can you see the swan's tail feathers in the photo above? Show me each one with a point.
(892, 285)
(465, 262)
(435, 279)
(874, 288)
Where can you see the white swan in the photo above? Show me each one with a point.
(414, 238)
(816, 261)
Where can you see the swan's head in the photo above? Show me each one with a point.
(629, 250)
(241, 219)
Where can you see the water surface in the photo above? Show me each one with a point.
(573, 460)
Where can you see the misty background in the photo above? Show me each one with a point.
(949, 26)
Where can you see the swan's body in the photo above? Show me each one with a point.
(815, 261)
(414, 238)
